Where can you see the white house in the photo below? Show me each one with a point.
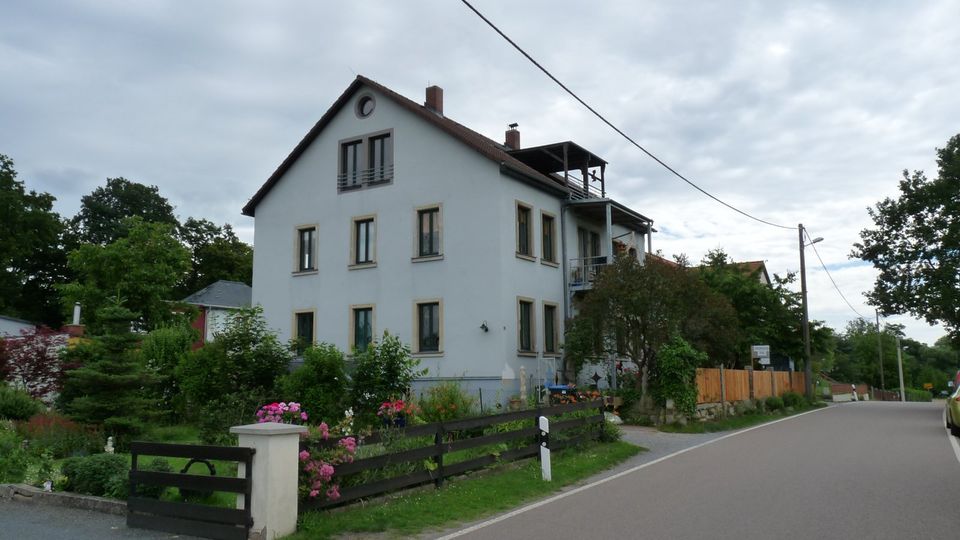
(216, 303)
(389, 216)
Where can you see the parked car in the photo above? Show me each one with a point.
(953, 413)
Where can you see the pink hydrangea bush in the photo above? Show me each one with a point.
(319, 465)
(282, 413)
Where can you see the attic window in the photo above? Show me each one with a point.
(365, 106)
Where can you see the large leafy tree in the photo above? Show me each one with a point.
(915, 245)
(104, 213)
(766, 315)
(141, 269)
(31, 255)
(634, 309)
(216, 253)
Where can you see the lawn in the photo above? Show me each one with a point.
(465, 498)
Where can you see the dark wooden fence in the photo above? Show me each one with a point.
(189, 518)
(454, 436)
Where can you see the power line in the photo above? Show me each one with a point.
(807, 233)
(615, 128)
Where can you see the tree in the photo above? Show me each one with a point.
(225, 381)
(216, 253)
(104, 213)
(634, 309)
(33, 361)
(161, 352)
(31, 254)
(108, 388)
(383, 371)
(141, 268)
(320, 384)
(915, 245)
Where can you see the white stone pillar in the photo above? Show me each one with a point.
(273, 499)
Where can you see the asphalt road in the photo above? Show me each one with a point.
(862, 470)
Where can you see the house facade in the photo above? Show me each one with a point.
(388, 216)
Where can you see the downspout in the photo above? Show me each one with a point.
(566, 284)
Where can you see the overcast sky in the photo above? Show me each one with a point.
(792, 111)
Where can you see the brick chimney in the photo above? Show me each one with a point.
(513, 138)
(434, 100)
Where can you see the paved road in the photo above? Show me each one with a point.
(863, 470)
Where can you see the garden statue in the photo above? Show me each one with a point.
(109, 447)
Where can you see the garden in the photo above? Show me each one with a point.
(68, 415)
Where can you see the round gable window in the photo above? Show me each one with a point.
(365, 106)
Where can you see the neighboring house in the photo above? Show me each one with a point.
(755, 268)
(216, 302)
(389, 216)
(11, 327)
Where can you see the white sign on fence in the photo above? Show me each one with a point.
(761, 353)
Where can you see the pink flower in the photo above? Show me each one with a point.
(314, 493)
(326, 472)
(304, 455)
(303, 416)
(349, 443)
(333, 493)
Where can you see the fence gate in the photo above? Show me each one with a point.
(193, 519)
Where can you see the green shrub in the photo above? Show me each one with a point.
(675, 375)
(773, 403)
(446, 401)
(17, 404)
(156, 464)
(609, 432)
(215, 417)
(99, 474)
(245, 359)
(793, 399)
(382, 372)
(14, 459)
(913, 394)
(62, 437)
(319, 385)
(161, 352)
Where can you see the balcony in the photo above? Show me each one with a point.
(364, 178)
(583, 271)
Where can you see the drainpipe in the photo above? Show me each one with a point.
(564, 262)
(609, 234)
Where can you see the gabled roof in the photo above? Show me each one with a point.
(223, 293)
(754, 267)
(485, 146)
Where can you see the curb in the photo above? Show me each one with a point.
(32, 495)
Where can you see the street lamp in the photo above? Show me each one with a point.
(807, 366)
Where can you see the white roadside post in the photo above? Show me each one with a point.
(273, 500)
(545, 448)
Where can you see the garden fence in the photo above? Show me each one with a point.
(455, 447)
(740, 385)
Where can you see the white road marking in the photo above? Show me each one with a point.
(953, 440)
(592, 485)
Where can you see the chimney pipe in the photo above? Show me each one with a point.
(512, 139)
(76, 313)
(434, 100)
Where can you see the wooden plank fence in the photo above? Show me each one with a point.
(736, 384)
(434, 441)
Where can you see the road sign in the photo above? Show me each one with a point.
(761, 353)
(928, 386)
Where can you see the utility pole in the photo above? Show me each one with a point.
(880, 350)
(807, 367)
(903, 395)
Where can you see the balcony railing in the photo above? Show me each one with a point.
(577, 192)
(364, 178)
(584, 271)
